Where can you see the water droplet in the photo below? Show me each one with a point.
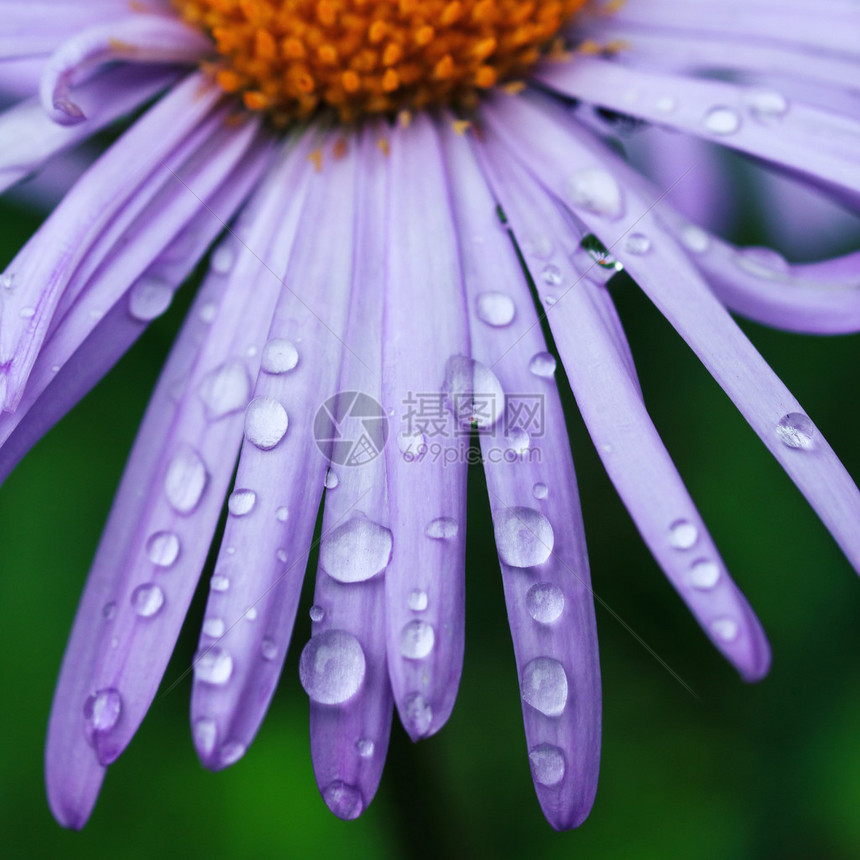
(149, 298)
(762, 262)
(7, 281)
(282, 514)
(725, 629)
(416, 640)
(205, 735)
(251, 613)
(795, 430)
(545, 602)
(549, 301)
(214, 627)
(543, 364)
(666, 104)
(704, 574)
(766, 106)
(231, 752)
(109, 611)
(547, 764)
(442, 528)
(595, 190)
(524, 536)
(343, 800)
(225, 390)
(162, 548)
(417, 600)
(473, 393)
(496, 309)
(518, 441)
(223, 258)
(695, 239)
(418, 714)
(281, 555)
(147, 600)
(27, 313)
(365, 747)
(331, 479)
(683, 534)
(241, 502)
(536, 245)
(544, 686)
(722, 120)
(356, 551)
(551, 275)
(268, 648)
(317, 613)
(280, 356)
(185, 480)
(637, 244)
(332, 667)
(265, 422)
(540, 491)
(102, 711)
(208, 312)
(213, 666)
(219, 583)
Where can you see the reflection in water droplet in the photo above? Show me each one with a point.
(524, 536)
(331, 479)
(102, 711)
(544, 686)
(543, 364)
(795, 430)
(332, 667)
(547, 763)
(473, 393)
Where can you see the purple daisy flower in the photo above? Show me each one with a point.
(369, 165)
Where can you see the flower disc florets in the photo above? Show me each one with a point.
(291, 57)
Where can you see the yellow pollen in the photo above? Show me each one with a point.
(293, 57)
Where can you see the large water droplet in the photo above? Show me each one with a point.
(595, 190)
(704, 574)
(147, 600)
(496, 309)
(241, 502)
(473, 393)
(442, 528)
(725, 629)
(265, 422)
(213, 666)
(547, 764)
(214, 627)
(162, 548)
(722, 120)
(543, 364)
(524, 536)
(416, 640)
(185, 480)
(332, 667)
(356, 551)
(279, 356)
(343, 800)
(544, 686)
(545, 602)
(102, 711)
(417, 600)
(225, 390)
(795, 430)
(683, 534)
(418, 715)
(149, 298)
(219, 582)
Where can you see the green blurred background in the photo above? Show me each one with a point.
(771, 770)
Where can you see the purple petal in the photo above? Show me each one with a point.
(424, 335)
(550, 604)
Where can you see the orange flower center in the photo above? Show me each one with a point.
(291, 57)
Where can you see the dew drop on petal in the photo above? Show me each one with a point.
(344, 800)
(365, 747)
(214, 627)
(545, 602)
(225, 390)
(282, 514)
(223, 258)
(147, 600)
(208, 312)
(185, 480)
(332, 667)
(280, 356)
(595, 190)
(704, 574)
(540, 491)
(695, 239)
(496, 309)
(442, 528)
(543, 364)
(767, 106)
(241, 502)
(551, 275)
(102, 711)
(666, 104)
(418, 715)
(537, 245)
(205, 735)
(109, 611)
(331, 479)
(473, 393)
(251, 613)
(268, 648)
(683, 534)
(219, 583)
(417, 600)
(547, 764)
(722, 120)
(762, 262)
(162, 548)
(412, 444)
(231, 752)
(518, 441)
(637, 244)
(795, 430)
(265, 422)
(416, 640)
(524, 536)
(317, 613)
(149, 299)
(725, 629)
(544, 686)
(213, 666)
(356, 551)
